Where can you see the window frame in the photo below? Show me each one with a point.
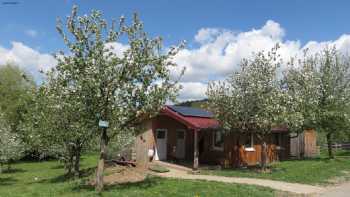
(218, 148)
(165, 133)
(251, 144)
(278, 140)
(181, 130)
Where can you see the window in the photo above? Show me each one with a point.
(160, 134)
(180, 134)
(218, 140)
(277, 140)
(249, 143)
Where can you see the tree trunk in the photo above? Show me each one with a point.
(8, 166)
(329, 143)
(101, 162)
(263, 155)
(77, 161)
(237, 156)
(69, 163)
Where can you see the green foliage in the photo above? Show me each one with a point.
(16, 89)
(334, 100)
(302, 84)
(16, 93)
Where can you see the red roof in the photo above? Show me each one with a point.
(193, 122)
(198, 122)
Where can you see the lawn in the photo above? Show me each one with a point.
(45, 179)
(312, 171)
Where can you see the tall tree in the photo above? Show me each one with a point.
(301, 83)
(120, 88)
(334, 100)
(16, 93)
(250, 100)
(56, 125)
(318, 86)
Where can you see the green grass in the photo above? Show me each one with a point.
(312, 171)
(46, 179)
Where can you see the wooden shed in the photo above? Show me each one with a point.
(304, 145)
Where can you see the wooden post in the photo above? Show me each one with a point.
(101, 162)
(196, 153)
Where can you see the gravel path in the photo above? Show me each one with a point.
(277, 185)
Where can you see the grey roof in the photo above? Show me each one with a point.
(190, 111)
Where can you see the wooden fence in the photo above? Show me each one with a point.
(343, 146)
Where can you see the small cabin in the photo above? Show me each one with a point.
(192, 135)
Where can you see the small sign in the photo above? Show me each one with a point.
(103, 124)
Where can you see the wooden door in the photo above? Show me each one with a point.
(180, 144)
(161, 140)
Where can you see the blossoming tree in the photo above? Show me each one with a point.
(250, 100)
(118, 89)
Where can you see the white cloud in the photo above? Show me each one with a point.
(220, 52)
(206, 35)
(192, 91)
(31, 33)
(117, 48)
(27, 58)
(33, 61)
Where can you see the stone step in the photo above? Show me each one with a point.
(174, 166)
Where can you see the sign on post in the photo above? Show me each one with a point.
(103, 124)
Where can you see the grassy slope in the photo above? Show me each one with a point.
(313, 171)
(50, 182)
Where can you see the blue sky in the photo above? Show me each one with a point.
(215, 30)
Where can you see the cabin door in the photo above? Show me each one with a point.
(180, 144)
(161, 151)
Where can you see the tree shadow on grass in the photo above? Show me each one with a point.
(146, 183)
(7, 181)
(13, 170)
(344, 154)
(59, 166)
(64, 177)
(314, 159)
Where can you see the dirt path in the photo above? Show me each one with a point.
(342, 190)
(277, 185)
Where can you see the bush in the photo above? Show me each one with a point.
(11, 146)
